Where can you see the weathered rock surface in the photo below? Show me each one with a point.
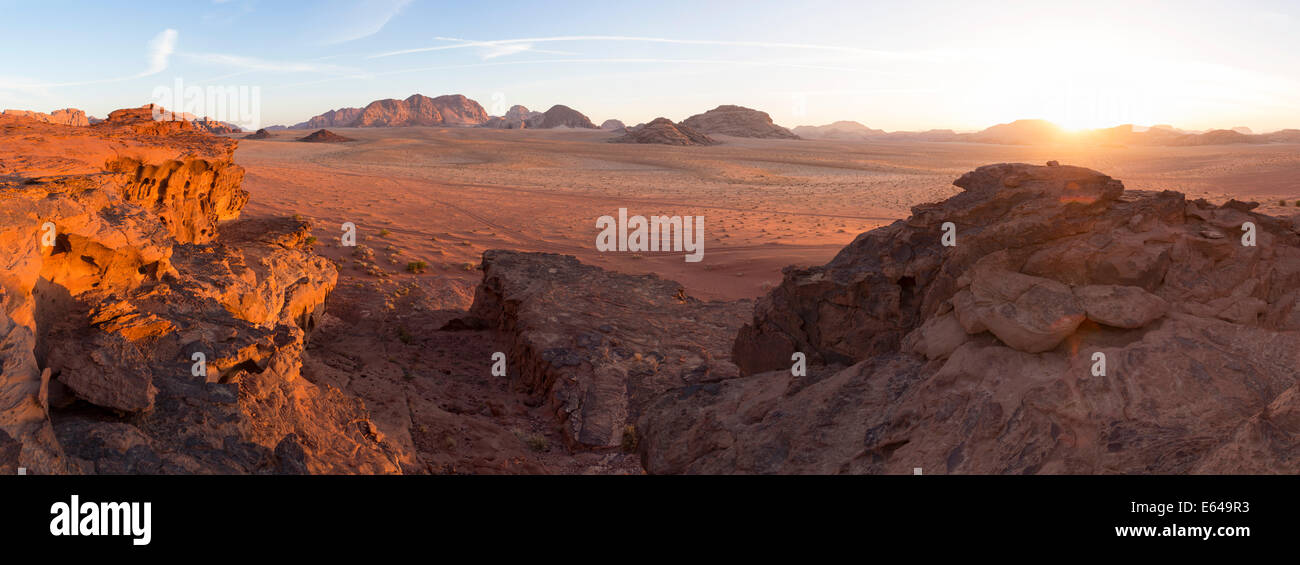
(737, 121)
(664, 131)
(136, 339)
(982, 357)
(596, 346)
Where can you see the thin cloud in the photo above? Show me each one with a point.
(365, 18)
(161, 48)
(625, 60)
(249, 64)
(624, 38)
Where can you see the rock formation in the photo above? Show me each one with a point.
(595, 346)
(66, 116)
(416, 110)
(325, 136)
(737, 121)
(517, 117)
(664, 131)
(138, 339)
(340, 118)
(259, 134)
(986, 356)
(560, 116)
(613, 125)
(845, 130)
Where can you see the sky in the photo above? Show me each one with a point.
(890, 65)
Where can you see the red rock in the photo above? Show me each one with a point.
(664, 131)
(737, 121)
(560, 116)
(415, 110)
(977, 358)
(136, 282)
(325, 136)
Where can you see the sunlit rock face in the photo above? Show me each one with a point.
(1069, 327)
(145, 328)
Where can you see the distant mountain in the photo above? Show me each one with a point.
(737, 121)
(613, 125)
(66, 116)
(561, 116)
(516, 117)
(417, 110)
(1020, 132)
(665, 132)
(843, 129)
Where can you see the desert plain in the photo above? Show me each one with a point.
(442, 196)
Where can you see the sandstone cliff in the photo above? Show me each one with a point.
(138, 339)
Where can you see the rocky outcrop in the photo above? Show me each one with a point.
(259, 134)
(517, 117)
(66, 116)
(416, 110)
(664, 131)
(419, 110)
(1072, 328)
(737, 121)
(560, 116)
(340, 118)
(325, 136)
(596, 346)
(613, 125)
(136, 339)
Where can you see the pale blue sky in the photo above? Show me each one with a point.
(891, 65)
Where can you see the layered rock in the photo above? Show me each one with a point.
(139, 340)
(596, 346)
(1073, 328)
(737, 121)
(664, 131)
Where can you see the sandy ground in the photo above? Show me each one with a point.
(443, 196)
